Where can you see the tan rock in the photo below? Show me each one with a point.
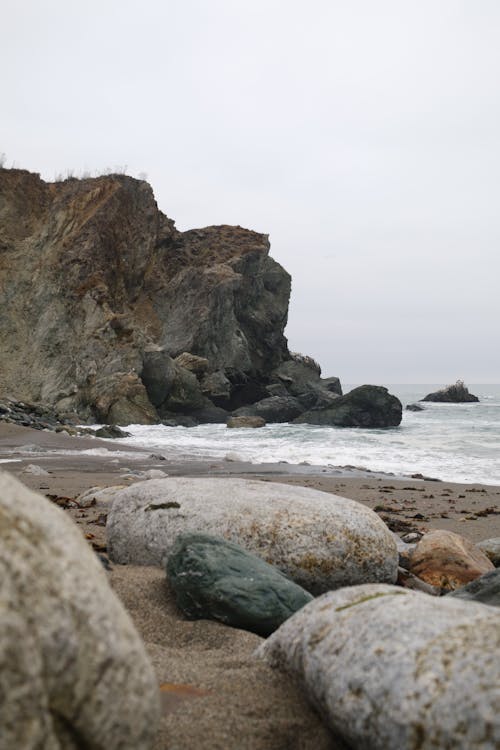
(246, 422)
(192, 362)
(448, 560)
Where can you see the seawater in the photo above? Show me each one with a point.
(453, 442)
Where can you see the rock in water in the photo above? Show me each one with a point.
(392, 669)
(217, 580)
(320, 541)
(452, 394)
(485, 589)
(248, 422)
(73, 671)
(366, 406)
(448, 560)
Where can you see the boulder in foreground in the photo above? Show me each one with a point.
(448, 560)
(217, 580)
(452, 394)
(392, 669)
(320, 541)
(366, 406)
(73, 671)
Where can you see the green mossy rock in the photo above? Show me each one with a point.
(218, 580)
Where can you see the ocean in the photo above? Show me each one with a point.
(452, 442)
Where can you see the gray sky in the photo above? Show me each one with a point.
(362, 135)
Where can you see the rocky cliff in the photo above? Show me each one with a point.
(100, 293)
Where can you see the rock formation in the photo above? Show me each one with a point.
(109, 314)
(99, 293)
(453, 394)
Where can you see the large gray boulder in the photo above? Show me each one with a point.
(218, 580)
(320, 541)
(392, 669)
(366, 406)
(73, 671)
(273, 409)
(491, 548)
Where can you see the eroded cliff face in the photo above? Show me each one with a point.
(99, 292)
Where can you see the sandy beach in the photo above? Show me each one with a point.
(215, 695)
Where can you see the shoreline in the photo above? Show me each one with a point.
(405, 503)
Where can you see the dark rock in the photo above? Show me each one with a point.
(248, 422)
(210, 414)
(158, 374)
(179, 420)
(332, 385)
(193, 363)
(366, 406)
(485, 589)
(273, 409)
(414, 407)
(454, 394)
(219, 580)
(111, 431)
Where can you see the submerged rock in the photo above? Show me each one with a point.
(111, 431)
(392, 669)
(73, 670)
(448, 560)
(320, 541)
(366, 406)
(454, 394)
(248, 422)
(219, 580)
(273, 409)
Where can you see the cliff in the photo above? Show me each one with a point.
(99, 293)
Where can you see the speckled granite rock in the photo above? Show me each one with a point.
(392, 669)
(491, 548)
(73, 671)
(320, 541)
(218, 580)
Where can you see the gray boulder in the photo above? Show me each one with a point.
(491, 548)
(366, 406)
(73, 671)
(485, 589)
(393, 669)
(273, 409)
(320, 541)
(454, 394)
(217, 580)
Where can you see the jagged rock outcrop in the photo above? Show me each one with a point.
(452, 394)
(99, 293)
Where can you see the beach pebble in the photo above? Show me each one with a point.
(320, 541)
(485, 589)
(218, 580)
(448, 560)
(491, 548)
(36, 470)
(392, 669)
(404, 551)
(73, 671)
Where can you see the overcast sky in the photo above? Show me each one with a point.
(362, 135)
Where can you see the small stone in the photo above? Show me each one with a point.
(36, 470)
(249, 422)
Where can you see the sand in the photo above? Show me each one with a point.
(215, 694)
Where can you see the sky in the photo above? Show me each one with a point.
(362, 136)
